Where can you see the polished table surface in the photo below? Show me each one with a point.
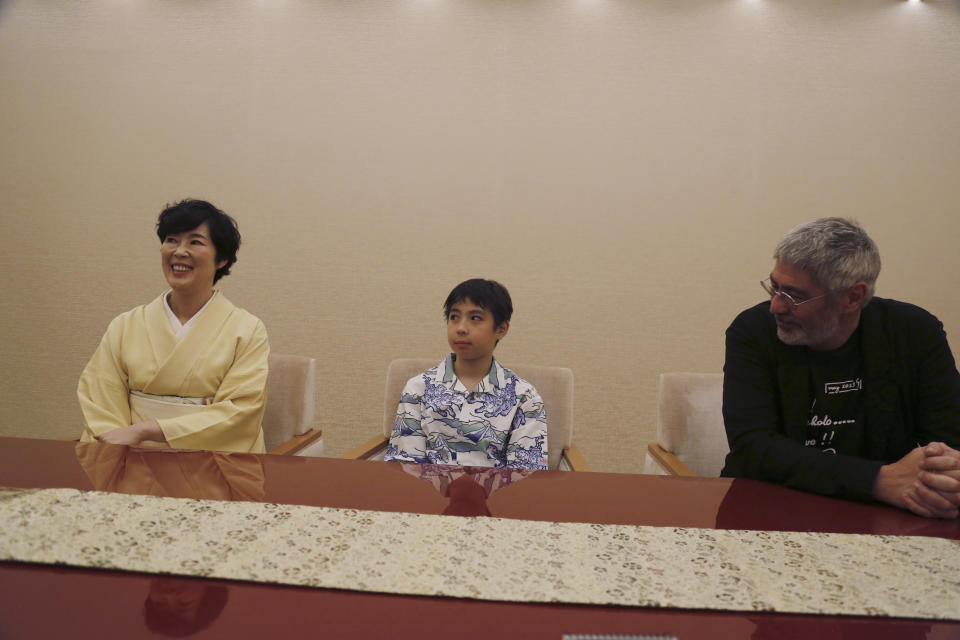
(43, 601)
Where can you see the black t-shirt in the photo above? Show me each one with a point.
(834, 423)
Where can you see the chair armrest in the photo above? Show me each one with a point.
(575, 459)
(296, 443)
(367, 449)
(668, 461)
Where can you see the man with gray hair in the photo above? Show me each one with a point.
(831, 390)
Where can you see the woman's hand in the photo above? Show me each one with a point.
(134, 434)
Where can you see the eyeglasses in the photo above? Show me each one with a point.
(769, 288)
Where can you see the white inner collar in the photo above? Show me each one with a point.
(181, 330)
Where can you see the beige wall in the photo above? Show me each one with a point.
(624, 167)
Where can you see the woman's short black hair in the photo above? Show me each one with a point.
(189, 214)
(486, 294)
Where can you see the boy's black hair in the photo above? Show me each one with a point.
(486, 294)
(189, 214)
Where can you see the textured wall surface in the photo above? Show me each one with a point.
(624, 167)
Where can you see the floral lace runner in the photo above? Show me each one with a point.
(486, 558)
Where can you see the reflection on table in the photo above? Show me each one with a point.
(467, 487)
(163, 472)
(181, 607)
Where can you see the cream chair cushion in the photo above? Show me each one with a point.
(690, 422)
(291, 401)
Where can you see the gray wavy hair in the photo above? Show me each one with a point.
(836, 252)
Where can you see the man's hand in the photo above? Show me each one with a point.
(134, 434)
(899, 484)
(940, 471)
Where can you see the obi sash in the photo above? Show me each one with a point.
(146, 406)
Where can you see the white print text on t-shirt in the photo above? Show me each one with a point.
(846, 386)
(827, 436)
(827, 421)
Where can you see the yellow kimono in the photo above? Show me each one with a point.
(221, 365)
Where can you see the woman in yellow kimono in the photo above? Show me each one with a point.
(188, 370)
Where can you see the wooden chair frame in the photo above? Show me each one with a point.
(670, 463)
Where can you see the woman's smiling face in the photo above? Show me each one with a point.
(189, 259)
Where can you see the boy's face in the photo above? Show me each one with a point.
(470, 330)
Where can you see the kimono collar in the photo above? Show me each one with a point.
(494, 380)
(180, 330)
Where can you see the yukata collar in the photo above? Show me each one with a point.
(493, 380)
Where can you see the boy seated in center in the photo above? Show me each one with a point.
(469, 410)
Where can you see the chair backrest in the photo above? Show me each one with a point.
(554, 384)
(690, 420)
(291, 398)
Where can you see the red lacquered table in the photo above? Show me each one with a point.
(44, 601)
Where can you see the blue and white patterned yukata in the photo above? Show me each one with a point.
(500, 423)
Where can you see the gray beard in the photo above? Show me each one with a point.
(803, 336)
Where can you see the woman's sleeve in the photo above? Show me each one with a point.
(103, 389)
